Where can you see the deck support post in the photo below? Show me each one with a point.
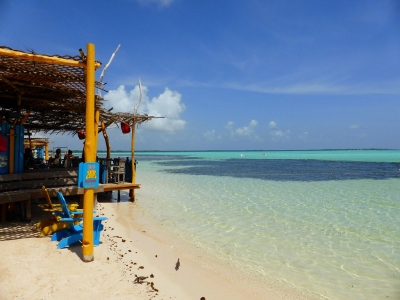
(132, 191)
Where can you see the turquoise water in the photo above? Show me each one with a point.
(323, 222)
(337, 155)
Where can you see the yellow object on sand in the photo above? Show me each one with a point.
(49, 206)
(51, 225)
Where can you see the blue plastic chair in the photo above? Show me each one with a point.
(74, 232)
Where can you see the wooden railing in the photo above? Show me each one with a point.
(26, 186)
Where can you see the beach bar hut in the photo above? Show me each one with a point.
(39, 143)
(55, 94)
(40, 88)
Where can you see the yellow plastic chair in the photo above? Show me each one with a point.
(50, 226)
(53, 224)
(49, 206)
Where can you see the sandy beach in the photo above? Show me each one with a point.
(130, 263)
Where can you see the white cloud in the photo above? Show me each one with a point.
(253, 123)
(229, 126)
(276, 132)
(119, 100)
(246, 131)
(167, 105)
(280, 133)
(354, 126)
(211, 135)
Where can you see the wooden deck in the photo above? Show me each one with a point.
(26, 186)
(110, 187)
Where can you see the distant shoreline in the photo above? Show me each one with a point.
(265, 150)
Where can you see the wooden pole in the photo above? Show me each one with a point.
(104, 130)
(45, 59)
(90, 155)
(46, 151)
(96, 129)
(132, 191)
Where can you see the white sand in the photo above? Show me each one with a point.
(31, 267)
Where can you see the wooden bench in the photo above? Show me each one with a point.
(26, 186)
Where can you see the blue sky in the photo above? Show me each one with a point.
(230, 74)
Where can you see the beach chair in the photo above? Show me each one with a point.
(51, 225)
(74, 232)
(68, 163)
(50, 206)
(117, 172)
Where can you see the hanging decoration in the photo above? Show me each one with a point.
(3, 144)
(81, 134)
(125, 127)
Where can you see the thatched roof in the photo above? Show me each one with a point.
(52, 97)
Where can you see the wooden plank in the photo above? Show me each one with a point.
(75, 190)
(50, 175)
(14, 196)
(9, 177)
(66, 191)
(38, 183)
(108, 187)
(61, 169)
(38, 179)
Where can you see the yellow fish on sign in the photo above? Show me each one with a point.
(91, 174)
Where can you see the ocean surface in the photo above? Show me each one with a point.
(325, 223)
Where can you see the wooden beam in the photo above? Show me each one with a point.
(34, 99)
(103, 129)
(10, 84)
(54, 60)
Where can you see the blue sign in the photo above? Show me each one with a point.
(89, 174)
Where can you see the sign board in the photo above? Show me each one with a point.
(89, 174)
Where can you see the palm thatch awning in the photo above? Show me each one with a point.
(49, 97)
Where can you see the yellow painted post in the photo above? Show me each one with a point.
(90, 155)
(46, 151)
(132, 191)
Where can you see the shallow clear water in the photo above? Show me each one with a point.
(325, 222)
